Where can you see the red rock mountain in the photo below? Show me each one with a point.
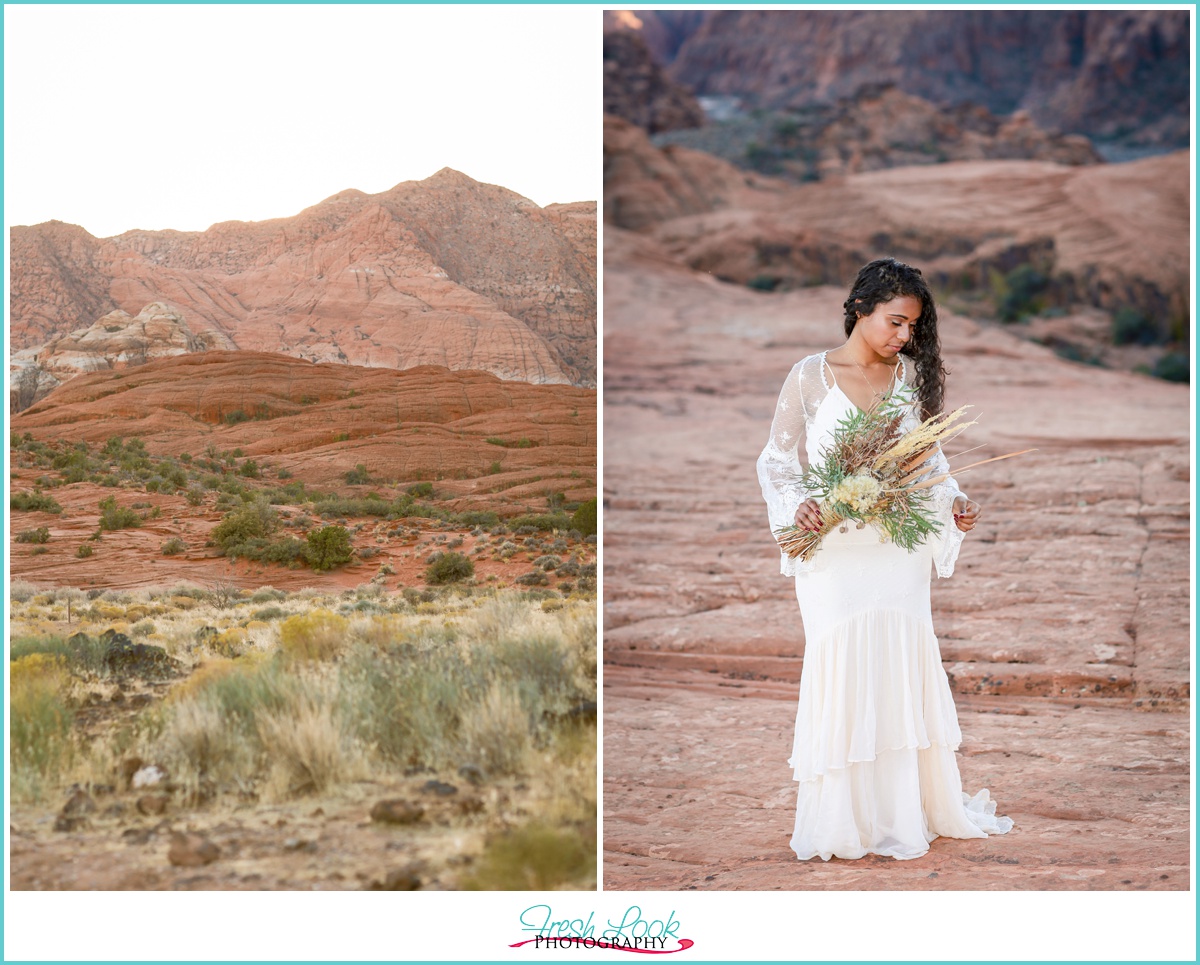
(1119, 75)
(444, 271)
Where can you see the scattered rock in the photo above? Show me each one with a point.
(152, 804)
(78, 804)
(403, 879)
(397, 812)
(137, 835)
(191, 850)
(122, 655)
(130, 766)
(66, 823)
(439, 788)
(299, 844)
(472, 773)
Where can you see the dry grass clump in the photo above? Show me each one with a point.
(41, 718)
(309, 746)
(318, 635)
(495, 730)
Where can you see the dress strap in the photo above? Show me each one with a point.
(825, 365)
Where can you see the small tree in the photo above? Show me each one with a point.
(449, 568)
(584, 519)
(328, 547)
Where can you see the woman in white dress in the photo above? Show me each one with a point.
(876, 728)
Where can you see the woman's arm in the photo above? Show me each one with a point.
(779, 466)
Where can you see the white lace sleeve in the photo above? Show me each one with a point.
(949, 540)
(779, 465)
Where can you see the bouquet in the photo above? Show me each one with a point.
(875, 473)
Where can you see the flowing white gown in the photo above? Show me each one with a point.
(876, 728)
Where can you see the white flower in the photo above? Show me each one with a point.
(860, 492)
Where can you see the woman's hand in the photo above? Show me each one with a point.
(808, 515)
(966, 513)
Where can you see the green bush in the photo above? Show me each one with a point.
(328, 547)
(1131, 327)
(1018, 294)
(449, 568)
(1174, 367)
(39, 535)
(84, 551)
(584, 519)
(545, 522)
(114, 517)
(173, 546)
(358, 476)
(33, 502)
(256, 521)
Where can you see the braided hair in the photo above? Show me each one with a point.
(880, 282)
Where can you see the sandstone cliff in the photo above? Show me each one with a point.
(444, 271)
(1113, 75)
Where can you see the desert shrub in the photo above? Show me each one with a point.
(368, 552)
(584, 519)
(548, 562)
(254, 521)
(540, 522)
(83, 653)
(328, 547)
(33, 502)
(1019, 294)
(422, 490)
(308, 744)
(1131, 327)
(477, 518)
(39, 535)
(495, 731)
(358, 476)
(113, 517)
(143, 628)
(268, 613)
(532, 578)
(250, 470)
(316, 635)
(173, 546)
(1174, 367)
(449, 568)
(405, 701)
(289, 551)
(268, 594)
(533, 857)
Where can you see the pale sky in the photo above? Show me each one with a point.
(122, 117)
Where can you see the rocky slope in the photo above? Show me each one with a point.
(321, 420)
(879, 127)
(1110, 236)
(636, 89)
(1065, 630)
(445, 271)
(1114, 75)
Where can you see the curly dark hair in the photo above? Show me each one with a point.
(882, 280)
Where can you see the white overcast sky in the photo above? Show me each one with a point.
(148, 116)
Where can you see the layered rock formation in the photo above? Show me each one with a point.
(1110, 236)
(494, 442)
(635, 88)
(1114, 75)
(444, 271)
(880, 127)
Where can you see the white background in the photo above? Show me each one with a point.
(178, 117)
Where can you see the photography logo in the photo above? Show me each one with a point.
(633, 933)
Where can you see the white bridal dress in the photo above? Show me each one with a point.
(876, 728)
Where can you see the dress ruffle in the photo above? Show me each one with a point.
(876, 732)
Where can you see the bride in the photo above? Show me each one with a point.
(876, 728)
